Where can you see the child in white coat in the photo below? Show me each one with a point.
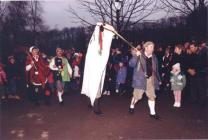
(178, 82)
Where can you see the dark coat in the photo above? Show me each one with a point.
(139, 77)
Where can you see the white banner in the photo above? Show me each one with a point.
(95, 62)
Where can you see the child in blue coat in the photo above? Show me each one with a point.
(121, 78)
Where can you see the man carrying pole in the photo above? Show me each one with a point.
(145, 78)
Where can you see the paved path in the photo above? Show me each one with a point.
(74, 121)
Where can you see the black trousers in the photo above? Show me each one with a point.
(202, 86)
(198, 89)
(37, 93)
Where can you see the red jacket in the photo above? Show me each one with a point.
(38, 75)
(2, 77)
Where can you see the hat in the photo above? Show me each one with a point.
(76, 54)
(32, 48)
(148, 43)
(177, 65)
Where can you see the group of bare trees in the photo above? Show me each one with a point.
(29, 11)
(186, 20)
(185, 7)
(130, 12)
(2, 12)
(135, 11)
(21, 22)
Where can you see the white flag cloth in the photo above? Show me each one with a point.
(95, 62)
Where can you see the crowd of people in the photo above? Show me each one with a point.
(41, 75)
(181, 69)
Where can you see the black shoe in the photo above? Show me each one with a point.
(131, 110)
(156, 117)
(99, 113)
(61, 103)
(89, 106)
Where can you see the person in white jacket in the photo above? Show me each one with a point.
(62, 72)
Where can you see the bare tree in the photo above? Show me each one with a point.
(2, 11)
(35, 21)
(185, 7)
(2, 7)
(195, 12)
(131, 12)
(35, 18)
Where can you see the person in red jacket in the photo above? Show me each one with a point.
(36, 73)
(3, 81)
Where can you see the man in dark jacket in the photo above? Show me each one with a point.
(193, 72)
(178, 57)
(202, 73)
(145, 78)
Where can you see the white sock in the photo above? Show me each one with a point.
(178, 104)
(152, 107)
(132, 106)
(60, 96)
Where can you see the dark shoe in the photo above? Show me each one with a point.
(96, 107)
(156, 117)
(99, 113)
(131, 110)
(89, 103)
(89, 106)
(61, 103)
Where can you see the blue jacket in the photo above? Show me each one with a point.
(121, 75)
(139, 79)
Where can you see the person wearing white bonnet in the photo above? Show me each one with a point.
(178, 82)
(36, 74)
(177, 67)
(33, 48)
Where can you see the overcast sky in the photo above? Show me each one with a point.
(56, 16)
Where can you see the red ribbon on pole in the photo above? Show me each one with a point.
(101, 38)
